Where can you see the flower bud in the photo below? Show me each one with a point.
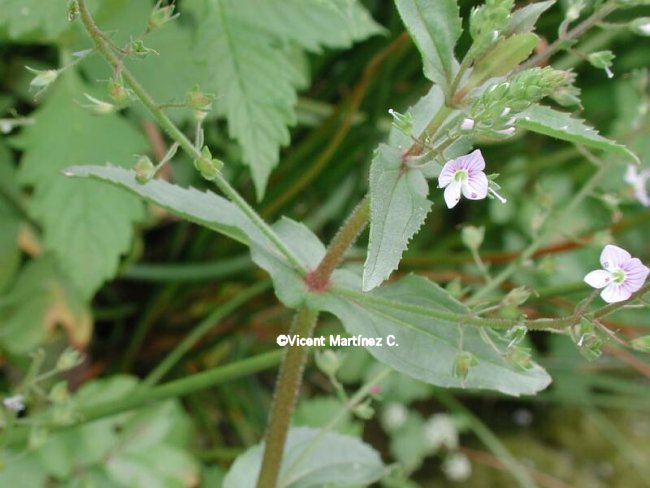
(602, 60)
(472, 237)
(641, 26)
(402, 122)
(160, 15)
(364, 410)
(328, 361)
(73, 10)
(586, 338)
(137, 48)
(118, 92)
(70, 358)
(207, 165)
(520, 357)
(99, 107)
(463, 363)
(517, 296)
(197, 100)
(144, 169)
(641, 343)
(42, 80)
(515, 334)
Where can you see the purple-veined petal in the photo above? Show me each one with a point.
(476, 186)
(473, 161)
(614, 257)
(635, 274)
(452, 194)
(598, 279)
(615, 293)
(447, 173)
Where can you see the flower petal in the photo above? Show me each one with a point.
(635, 274)
(473, 161)
(476, 186)
(452, 194)
(614, 257)
(447, 173)
(615, 293)
(598, 279)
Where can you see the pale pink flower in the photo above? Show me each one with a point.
(621, 275)
(638, 180)
(464, 175)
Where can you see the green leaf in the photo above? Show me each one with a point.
(435, 26)
(561, 125)
(41, 299)
(319, 411)
(398, 208)
(217, 213)
(24, 17)
(334, 458)
(254, 76)
(140, 448)
(87, 225)
(424, 320)
(503, 58)
(524, 19)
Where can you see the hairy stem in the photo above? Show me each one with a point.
(286, 394)
(177, 135)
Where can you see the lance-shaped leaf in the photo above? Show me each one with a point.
(560, 125)
(524, 19)
(425, 321)
(435, 26)
(398, 208)
(312, 458)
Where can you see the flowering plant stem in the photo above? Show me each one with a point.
(99, 38)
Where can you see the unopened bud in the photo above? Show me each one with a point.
(160, 15)
(602, 60)
(364, 410)
(99, 107)
(118, 92)
(137, 48)
(70, 358)
(73, 10)
(641, 26)
(328, 361)
(207, 165)
(402, 122)
(586, 338)
(517, 296)
(463, 363)
(144, 169)
(42, 80)
(519, 356)
(198, 100)
(472, 237)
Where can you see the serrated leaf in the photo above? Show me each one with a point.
(335, 458)
(398, 208)
(560, 125)
(503, 58)
(254, 77)
(435, 26)
(40, 300)
(217, 213)
(524, 19)
(427, 345)
(87, 225)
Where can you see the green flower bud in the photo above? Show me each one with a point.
(402, 122)
(99, 107)
(73, 10)
(137, 48)
(160, 16)
(207, 165)
(70, 358)
(640, 26)
(520, 357)
(197, 100)
(144, 169)
(517, 296)
(364, 410)
(602, 60)
(641, 343)
(487, 22)
(42, 80)
(118, 92)
(463, 363)
(472, 237)
(587, 339)
(516, 334)
(328, 361)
